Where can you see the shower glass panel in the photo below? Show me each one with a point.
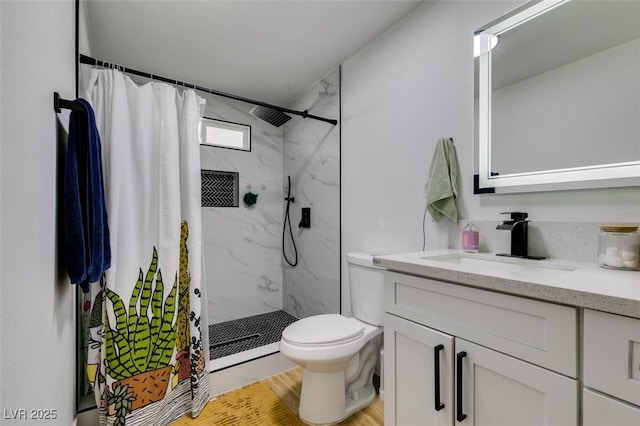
(252, 293)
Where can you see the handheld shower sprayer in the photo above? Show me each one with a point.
(289, 200)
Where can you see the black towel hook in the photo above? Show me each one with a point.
(59, 104)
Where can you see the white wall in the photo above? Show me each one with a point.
(409, 87)
(312, 159)
(36, 301)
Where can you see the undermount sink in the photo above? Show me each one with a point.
(499, 262)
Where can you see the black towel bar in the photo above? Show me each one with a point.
(59, 103)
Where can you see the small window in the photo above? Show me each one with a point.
(224, 134)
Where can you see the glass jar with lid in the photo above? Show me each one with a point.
(619, 247)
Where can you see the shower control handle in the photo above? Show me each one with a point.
(305, 221)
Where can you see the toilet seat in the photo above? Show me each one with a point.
(328, 329)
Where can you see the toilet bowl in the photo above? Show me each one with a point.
(339, 354)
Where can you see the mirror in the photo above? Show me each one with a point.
(558, 97)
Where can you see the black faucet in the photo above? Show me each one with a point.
(519, 227)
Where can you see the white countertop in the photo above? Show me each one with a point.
(586, 286)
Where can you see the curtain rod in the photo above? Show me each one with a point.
(92, 61)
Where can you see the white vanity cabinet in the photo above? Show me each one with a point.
(611, 370)
(459, 355)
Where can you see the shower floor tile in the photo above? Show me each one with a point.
(231, 337)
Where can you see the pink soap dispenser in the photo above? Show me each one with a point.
(470, 238)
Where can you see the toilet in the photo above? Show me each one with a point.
(339, 354)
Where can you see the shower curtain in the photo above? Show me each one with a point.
(147, 360)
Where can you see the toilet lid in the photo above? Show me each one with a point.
(318, 329)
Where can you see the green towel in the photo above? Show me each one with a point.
(441, 188)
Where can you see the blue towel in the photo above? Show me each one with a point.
(86, 232)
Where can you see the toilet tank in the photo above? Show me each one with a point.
(366, 283)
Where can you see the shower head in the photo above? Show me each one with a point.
(270, 115)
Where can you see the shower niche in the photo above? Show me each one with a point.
(219, 188)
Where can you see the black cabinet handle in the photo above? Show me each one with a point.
(460, 415)
(436, 374)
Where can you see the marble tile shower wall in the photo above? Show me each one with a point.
(312, 159)
(560, 240)
(242, 267)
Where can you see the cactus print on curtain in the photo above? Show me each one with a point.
(147, 361)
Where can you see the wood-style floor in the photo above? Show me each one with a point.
(273, 401)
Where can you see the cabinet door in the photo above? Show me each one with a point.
(499, 390)
(612, 355)
(599, 410)
(417, 392)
